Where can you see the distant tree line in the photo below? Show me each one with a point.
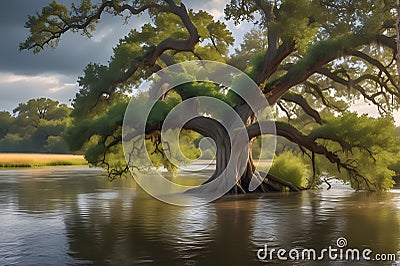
(35, 126)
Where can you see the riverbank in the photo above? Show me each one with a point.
(31, 160)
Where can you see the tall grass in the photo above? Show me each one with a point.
(25, 160)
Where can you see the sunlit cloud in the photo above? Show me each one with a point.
(20, 88)
(362, 107)
(214, 7)
(6, 78)
(102, 34)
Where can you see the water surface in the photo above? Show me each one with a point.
(75, 216)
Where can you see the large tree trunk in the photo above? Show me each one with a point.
(268, 181)
(243, 185)
(246, 182)
(238, 153)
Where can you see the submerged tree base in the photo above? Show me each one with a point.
(270, 183)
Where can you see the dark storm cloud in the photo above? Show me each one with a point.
(69, 58)
(51, 73)
(74, 51)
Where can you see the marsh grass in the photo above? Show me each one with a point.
(25, 160)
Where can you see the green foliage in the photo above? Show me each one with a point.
(194, 89)
(12, 143)
(363, 132)
(239, 10)
(255, 42)
(291, 168)
(158, 113)
(98, 91)
(378, 174)
(305, 47)
(104, 127)
(5, 122)
(52, 19)
(187, 145)
(297, 23)
(364, 143)
(54, 144)
(37, 126)
(395, 166)
(42, 108)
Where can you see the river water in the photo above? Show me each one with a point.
(75, 216)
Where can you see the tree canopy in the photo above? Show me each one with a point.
(35, 126)
(311, 59)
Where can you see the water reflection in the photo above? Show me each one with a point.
(75, 216)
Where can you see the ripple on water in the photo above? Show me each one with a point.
(76, 216)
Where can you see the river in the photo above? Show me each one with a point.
(75, 216)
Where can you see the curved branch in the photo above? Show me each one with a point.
(299, 100)
(174, 44)
(205, 126)
(389, 42)
(283, 108)
(271, 177)
(149, 55)
(354, 84)
(274, 57)
(73, 23)
(318, 93)
(295, 75)
(317, 57)
(149, 58)
(376, 63)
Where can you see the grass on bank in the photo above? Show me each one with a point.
(25, 160)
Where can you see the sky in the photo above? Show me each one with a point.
(53, 73)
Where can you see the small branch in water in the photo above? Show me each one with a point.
(329, 185)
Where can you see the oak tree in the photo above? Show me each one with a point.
(311, 60)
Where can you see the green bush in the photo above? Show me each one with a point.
(290, 168)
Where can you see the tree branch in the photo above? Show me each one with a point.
(387, 41)
(354, 84)
(174, 44)
(292, 134)
(274, 56)
(319, 94)
(317, 57)
(77, 22)
(376, 63)
(299, 100)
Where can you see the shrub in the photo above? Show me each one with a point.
(290, 168)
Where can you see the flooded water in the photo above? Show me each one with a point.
(75, 216)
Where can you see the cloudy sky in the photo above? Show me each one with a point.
(53, 73)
